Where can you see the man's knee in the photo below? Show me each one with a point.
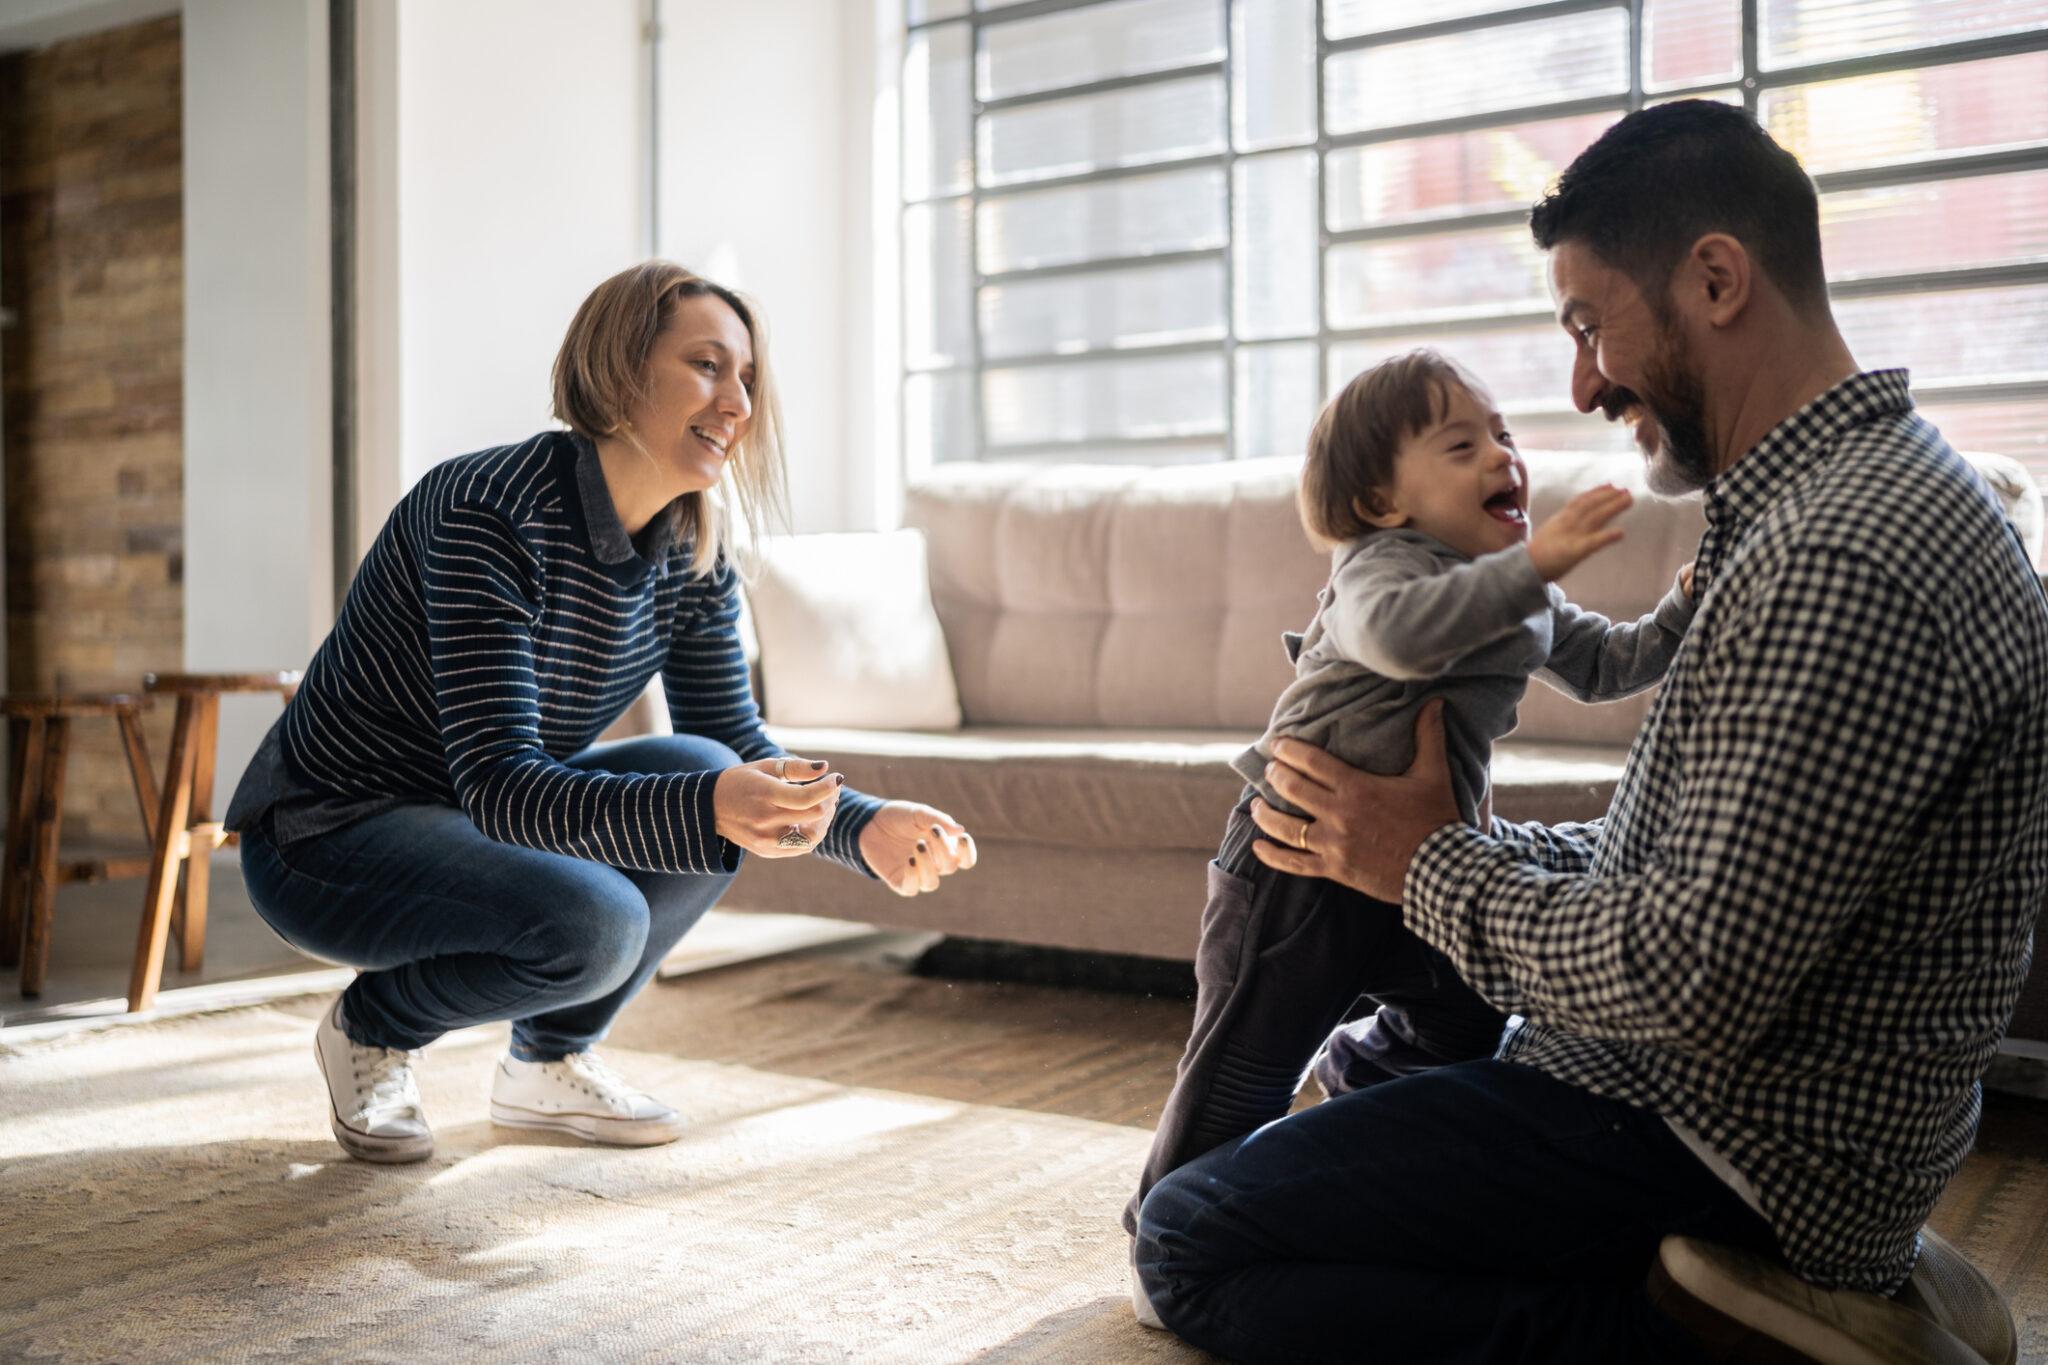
(1168, 1254)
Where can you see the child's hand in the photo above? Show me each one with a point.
(1577, 530)
(1685, 579)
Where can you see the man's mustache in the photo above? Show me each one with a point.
(1618, 405)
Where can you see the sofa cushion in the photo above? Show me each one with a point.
(1112, 595)
(1137, 788)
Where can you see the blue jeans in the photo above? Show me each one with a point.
(1482, 1211)
(450, 928)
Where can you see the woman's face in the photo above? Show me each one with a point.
(700, 381)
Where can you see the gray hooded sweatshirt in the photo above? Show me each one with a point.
(1405, 618)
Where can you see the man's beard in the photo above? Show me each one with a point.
(1675, 403)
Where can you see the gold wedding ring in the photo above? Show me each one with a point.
(1301, 837)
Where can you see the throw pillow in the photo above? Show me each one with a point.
(848, 634)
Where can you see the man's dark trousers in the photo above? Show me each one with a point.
(1483, 1211)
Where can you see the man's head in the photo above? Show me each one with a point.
(1684, 243)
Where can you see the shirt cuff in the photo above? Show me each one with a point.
(842, 840)
(1675, 612)
(715, 853)
(1443, 867)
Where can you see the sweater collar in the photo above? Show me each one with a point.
(608, 539)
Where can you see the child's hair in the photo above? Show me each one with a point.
(1352, 446)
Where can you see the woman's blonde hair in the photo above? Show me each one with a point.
(1352, 447)
(601, 375)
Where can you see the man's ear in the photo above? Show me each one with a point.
(1719, 274)
(1379, 509)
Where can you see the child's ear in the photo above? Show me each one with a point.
(1377, 509)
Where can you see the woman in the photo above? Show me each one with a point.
(428, 809)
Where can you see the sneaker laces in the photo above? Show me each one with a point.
(390, 1075)
(593, 1068)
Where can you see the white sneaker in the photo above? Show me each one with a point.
(579, 1095)
(1141, 1307)
(373, 1102)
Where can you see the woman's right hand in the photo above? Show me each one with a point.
(1577, 529)
(756, 805)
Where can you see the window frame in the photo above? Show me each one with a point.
(1751, 83)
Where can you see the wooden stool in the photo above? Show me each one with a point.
(185, 833)
(39, 735)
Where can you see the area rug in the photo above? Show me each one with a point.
(170, 1192)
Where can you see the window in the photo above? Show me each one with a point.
(1164, 230)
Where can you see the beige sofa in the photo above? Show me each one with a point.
(1115, 636)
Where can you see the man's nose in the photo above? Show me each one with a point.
(1588, 384)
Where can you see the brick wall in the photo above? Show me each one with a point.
(91, 261)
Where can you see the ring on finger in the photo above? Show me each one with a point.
(1301, 837)
(794, 837)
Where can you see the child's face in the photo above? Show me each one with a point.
(1460, 480)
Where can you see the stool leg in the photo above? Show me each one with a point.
(164, 856)
(25, 745)
(140, 774)
(199, 862)
(42, 902)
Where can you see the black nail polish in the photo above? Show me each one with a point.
(913, 862)
(921, 846)
(818, 766)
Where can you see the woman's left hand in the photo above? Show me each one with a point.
(910, 846)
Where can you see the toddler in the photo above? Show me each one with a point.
(1437, 589)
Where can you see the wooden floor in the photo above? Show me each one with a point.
(855, 1016)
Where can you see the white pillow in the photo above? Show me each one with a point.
(848, 634)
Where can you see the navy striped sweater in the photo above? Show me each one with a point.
(500, 622)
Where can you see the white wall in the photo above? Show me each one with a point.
(258, 396)
(501, 149)
(766, 115)
(501, 152)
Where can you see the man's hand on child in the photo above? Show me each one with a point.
(1363, 828)
(1578, 529)
(1685, 580)
(911, 846)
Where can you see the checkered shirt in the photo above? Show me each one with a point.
(1803, 924)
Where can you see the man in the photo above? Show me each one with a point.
(1758, 996)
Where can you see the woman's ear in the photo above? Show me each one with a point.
(1377, 508)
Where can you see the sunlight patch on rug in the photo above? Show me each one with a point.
(171, 1191)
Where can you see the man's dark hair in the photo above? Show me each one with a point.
(1664, 177)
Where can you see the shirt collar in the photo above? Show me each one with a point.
(608, 538)
(1744, 491)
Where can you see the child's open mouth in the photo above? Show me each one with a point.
(1506, 506)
